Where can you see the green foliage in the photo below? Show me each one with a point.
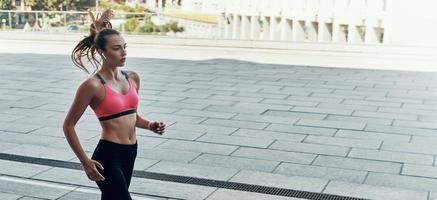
(145, 28)
(121, 7)
(6, 4)
(130, 25)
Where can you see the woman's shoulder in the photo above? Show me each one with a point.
(133, 75)
(90, 84)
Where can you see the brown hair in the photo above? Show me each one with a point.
(88, 46)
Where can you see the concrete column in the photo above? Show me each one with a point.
(325, 32)
(236, 29)
(272, 28)
(355, 34)
(335, 31)
(370, 35)
(245, 27)
(313, 31)
(255, 28)
(286, 29)
(265, 34)
(228, 26)
(160, 5)
(298, 33)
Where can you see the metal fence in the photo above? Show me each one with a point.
(59, 21)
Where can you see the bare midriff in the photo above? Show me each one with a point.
(120, 130)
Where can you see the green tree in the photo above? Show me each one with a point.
(6, 5)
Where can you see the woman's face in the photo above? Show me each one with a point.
(115, 52)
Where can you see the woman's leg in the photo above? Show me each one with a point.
(114, 187)
(128, 165)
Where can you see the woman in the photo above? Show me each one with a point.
(113, 95)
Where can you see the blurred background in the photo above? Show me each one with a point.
(404, 22)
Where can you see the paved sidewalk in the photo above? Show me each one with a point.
(351, 132)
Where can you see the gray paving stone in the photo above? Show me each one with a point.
(265, 119)
(235, 123)
(178, 105)
(346, 106)
(274, 155)
(18, 127)
(310, 148)
(199, 147)
(208, 101)
(184, 94)
(172, 134)
(279, 180)
(419, 170)
(7, 196)
(193, 170)
(167, 154)
(358, 164)
(242, 195)
(216, 94)
(400, 130)
(385, 115)
(407, 111)
(21, 169)
(17, 138)
(169, 118)
(344, 96)
(360, 119)
(301, 129)
(399, 100)
(201, 113)
(415, 124)
(41, 152)
(373, 135)
(269, 134)
(402, 181)
(169, 189)
(373, 192)
(201, 128)
(372, 103)
(4, 146)
(236, 140)
(235, 162)
(347, 142)
(33, 190)
(328, 173)
(261, 95)
(67, 176)
(228, 97)
(292, 114)
(288, 102)
(422, 148)
(330, 111)
(331, 124)
(391, 156)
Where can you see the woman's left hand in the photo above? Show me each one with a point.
(157, 127)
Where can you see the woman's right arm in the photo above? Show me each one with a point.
(83, 98)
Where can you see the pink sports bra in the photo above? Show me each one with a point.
(114, 104)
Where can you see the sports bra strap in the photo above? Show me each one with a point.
(125, 74)
(101, 79)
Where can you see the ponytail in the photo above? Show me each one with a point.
(89, 45)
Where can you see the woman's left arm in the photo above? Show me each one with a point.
(156, 127)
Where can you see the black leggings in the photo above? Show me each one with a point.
(118, 163)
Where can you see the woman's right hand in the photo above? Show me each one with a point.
(90, 168)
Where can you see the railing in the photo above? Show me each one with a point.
(58, 21)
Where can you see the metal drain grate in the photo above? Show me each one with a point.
(189, 180)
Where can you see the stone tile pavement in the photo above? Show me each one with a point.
(352, 132)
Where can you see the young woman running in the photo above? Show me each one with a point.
(113, 95)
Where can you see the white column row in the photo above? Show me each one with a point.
(347, 21)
